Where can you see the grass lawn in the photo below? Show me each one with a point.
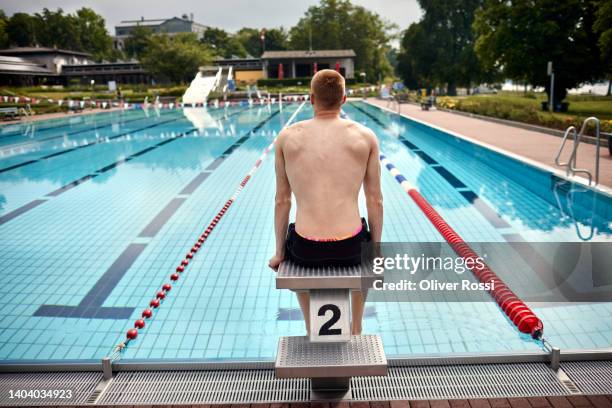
(527, 108)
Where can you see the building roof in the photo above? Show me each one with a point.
(142, 22)
(41, 50)
(21, 66)
(308, 54)
(152, 22)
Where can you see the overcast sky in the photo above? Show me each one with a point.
(228, 14)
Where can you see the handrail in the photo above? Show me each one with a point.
(558, 157)
(571, 163)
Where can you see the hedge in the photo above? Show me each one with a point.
(292, 81)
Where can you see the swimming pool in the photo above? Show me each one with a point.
(96, 211)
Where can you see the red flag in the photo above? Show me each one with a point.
(338, 66)
(281, 73)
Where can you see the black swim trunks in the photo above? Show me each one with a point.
(310, 253)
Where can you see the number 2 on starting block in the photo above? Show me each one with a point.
(329, 315)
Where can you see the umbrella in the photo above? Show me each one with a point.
(338, 66)
(315, 67)
(281, 74)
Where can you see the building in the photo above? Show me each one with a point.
(51, 58)
(301, 64)
(17, 71)
(246, 70)
(124, 72)
(170, 26)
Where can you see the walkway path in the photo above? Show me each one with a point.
(536, 146)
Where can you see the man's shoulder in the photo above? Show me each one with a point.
(294, 128)
(360, 129)
(291, 132)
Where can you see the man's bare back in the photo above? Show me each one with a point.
(326, 161)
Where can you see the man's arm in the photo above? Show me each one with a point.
(282, 205)
(372, 190)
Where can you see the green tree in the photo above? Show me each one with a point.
(518, 38)
(603, 26)
(4, 38)
(56, 29)
(223, 44)
(338, 24)
(276, 39)
(175, 58)
(137, 43)
(93, 36)
(21, 30)
(250, 40)
(439, 49)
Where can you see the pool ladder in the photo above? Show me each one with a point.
(570, 164)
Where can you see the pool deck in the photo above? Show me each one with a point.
(536, 146)
(55, 115)
(574, 401)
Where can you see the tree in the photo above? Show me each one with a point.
(518, 38)
(338, 24)
(93, 36)
(175, 58)
(4, 38)
(276, 39)
(439, 49)
(56, 29)
(137, 43)
(603, 26)
(250, 40)
(21, 30)
(223, 44)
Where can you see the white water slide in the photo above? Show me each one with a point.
(201, 87)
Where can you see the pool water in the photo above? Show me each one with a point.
(96, 211)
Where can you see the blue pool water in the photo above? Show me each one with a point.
(96, 211)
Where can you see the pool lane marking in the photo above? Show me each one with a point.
(105, 140)
(75, 132)
(26, 207)
(90, 306)
(515, 309)
(95, 142)
(492, 216)
(56, 125)
(166, 287)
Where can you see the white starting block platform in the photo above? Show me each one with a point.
(331, 355)
(291, 276)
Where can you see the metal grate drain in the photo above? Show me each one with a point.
(259, 385)
(459, 381)
(184, 387)
(591, 377)
(65, 388)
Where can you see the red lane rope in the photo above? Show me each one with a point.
(180, 269)
(517, 311)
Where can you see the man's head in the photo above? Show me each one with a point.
(327, 90)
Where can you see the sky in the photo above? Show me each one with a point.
(230, 15)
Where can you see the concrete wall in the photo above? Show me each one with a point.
(248, 77)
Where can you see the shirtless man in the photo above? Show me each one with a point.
(325, 161)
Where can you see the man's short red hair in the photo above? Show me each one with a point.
(327, 86)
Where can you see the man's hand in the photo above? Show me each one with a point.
(275, 261)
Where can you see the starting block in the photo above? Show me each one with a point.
(330, 356)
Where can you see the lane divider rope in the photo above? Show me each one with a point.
(167, 287)
(517, 311)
